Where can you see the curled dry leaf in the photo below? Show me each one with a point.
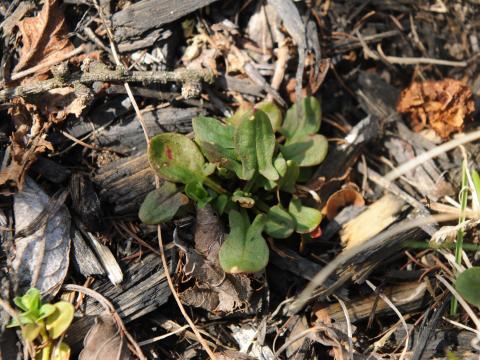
(104, 342)
(214, 290)
(43, 36)
(443, 105)
(42, 256)
(342, 198)
(59, 103)
(27, 142)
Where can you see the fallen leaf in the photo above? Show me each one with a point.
(59, 103)
(42, 256)
(214, 290)
(104, 342)
(27, 142)
(442, 105)
(43, 36)
(342, 198)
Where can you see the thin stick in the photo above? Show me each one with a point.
(201, 340)
(48, 64)
(199, 336)
(109, 307)
(161, 337)
(399, 314)
(461, 301)
(436, 151)
(349, 254)
(349, 326)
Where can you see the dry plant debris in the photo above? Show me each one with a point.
(443, 105)
(43, 36)
(214, 78)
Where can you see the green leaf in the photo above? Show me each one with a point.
(308, 123)
(468, 285)
(244, 199)
(31, 331)
(161, 205)
(60, 320)
(307, 218)
(61, 352)
(198, 193)
(245, 110)
(220, 203)
(176, 158)
(223, 158)
(476, 182)
(279, 224)
(273, 112)
(265, 145)
(45, 311)
(245, 147)
(31, 300)
(255, 145)
(289, 172)
(308, 151)
(244, 249)
(212, 131)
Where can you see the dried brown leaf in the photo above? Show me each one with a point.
(27, 142)
(104, 342)
(61, 102)
(43, 36)
(442, 105)
(214, 290)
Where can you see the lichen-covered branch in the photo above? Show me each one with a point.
(99, 72)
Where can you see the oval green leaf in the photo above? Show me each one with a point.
(306, 218)
(244, 249)
(174, 157)
(273, 112)
(279, 224)
(308, 123)
(468, 285)
(245, 148)
(265, 146)
(308, 151)
(60, 320)
(212, 131)
(161, 204)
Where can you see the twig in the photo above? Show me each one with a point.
(201, 340)
(100, 73)
(404, 60)
(109, 307)
(47, 64)
(349, 326)
(157, 184)
(348, 254)
(399, 314)
(436, 151)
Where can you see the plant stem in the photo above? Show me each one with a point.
(214, 186)
(460, 232)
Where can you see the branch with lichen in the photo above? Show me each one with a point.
(190, 79)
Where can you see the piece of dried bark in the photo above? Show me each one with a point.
(104, 341)
(214, 290)
(43, 36)
(442, 105)
(42, 256)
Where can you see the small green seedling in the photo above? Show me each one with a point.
(43, 324)
(247, 167)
